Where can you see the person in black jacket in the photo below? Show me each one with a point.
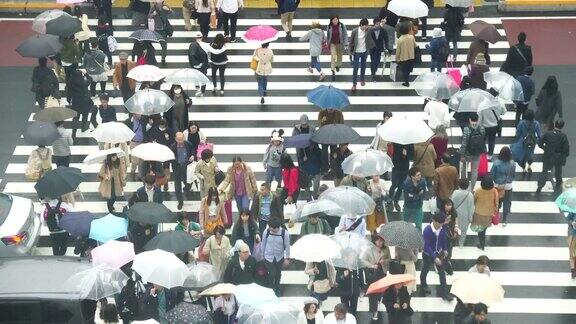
(107, 113)
(184, 153)
(556, 150)
(336, 160)
(401, 159)
(198, 60)
(177, 116)
(246, 229)
(452, 25)
(380, 37)
(349, 285)
(157, 294)
(104, 10)
(391, 18)
(424, 20)
(519, 57)
(140, 10)
(397, 302)
(240, 274)
(44, 82)
(147, 193)
(139, 234)
(77, 90)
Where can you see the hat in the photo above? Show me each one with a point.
(304, 119)
(277, 135)
(310, 300)
(123, 55)
(480, 59)
(437, 32)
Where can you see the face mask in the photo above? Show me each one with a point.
(177, 91)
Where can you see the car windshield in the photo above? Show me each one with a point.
(5, 205)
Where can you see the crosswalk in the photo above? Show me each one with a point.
(528, 257)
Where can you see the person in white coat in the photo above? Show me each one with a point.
(438, 114)
(311, 313)
(340, 316)
(464, 203)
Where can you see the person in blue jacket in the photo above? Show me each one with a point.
(434, 253)
(528, 134)
(439, 50)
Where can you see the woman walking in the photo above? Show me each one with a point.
(194, 136)
(211, 213)
(240, 184)
(440, 143)
(218, 61)
(44, 83)
(528, 135)
(96, 67)
(290, 179)
(407, 257)
(206, 171)
(486, 205)
(264, 57)
(337, 39)
(216, 248)
(159, 11)
(204, 9)
(549, 102)
(311, 313)
(112, 180)
(315, 37)
(246, 229)
(321, 279)
(405, 53)
(376, 263)
(502, 172)
(377, 191)
(61, 146)
(103, 32)
(177, 116)
(451, 225)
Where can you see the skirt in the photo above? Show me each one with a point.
(102, 77)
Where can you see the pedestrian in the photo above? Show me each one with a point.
(485, 207)
(286, 10)
(216, 246)
(315, 225)
(452, 230)
(109, 313)
(336, 159)
(415, 188)
(461, 311)
(61, 146)
(70, 55)
(139, 125)
(356, 182)
(194, 136)
(264, 56)
(148, 192)
(478, 315)
(103, 33)
(327, 117)
(82, 36)
(473, 145)
(44, 83)
(309, 158)
(463, 201)
(290, 180)
(378, 143)
(445, 180)
(211, 213)
(77, 90)
(439, 49)
(112, 180)
(218, 60)
(177, 116)
(52, 211)
(571, 220)
(549, 102)
(556, 150)
(452, 25)
(397, 302)
(438, 114)
(246, 229)
(265, 206)
(401, 156)
(491, 121)
(477, 70)
(380, 39)
(120, 78)
(316, 38)
(156, 170)
(104, 10)
(159, 12)
(140, 10)
(480, 266)
(359, 45)
(321, 279)
(225, 309)
(272, 156)
(406, 259)
(518, 58)
(349, 282)
(340, 316)
(228, 10)
(204, 9)
(405, 53)
(435, 253)
(502, 172)
(241, 267)
(528, 90)
(424, 157)
(377, 190)
(239, 183)
(96, 67)
(351, 223)
(440, 143)
(198, 59)
(206, 170)
(183, 152)
(144, 52)
(478, 46)
(337, 39)
(160, 301)
(106, 112)
(311, 312)
(376, 264)
(276, 251)
(186, 224)
(189, 14)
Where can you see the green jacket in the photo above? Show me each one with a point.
(192, 227)
(70, 52)
(322, 227)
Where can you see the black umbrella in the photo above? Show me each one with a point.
(64, 26)
(41, 134)
(77, 223)
(173, 241)
(55, 114)
(39, 46)
(334, 134)
(189, 313)
(147, 35)
(150, 213)
(58, 182)
(402, 234)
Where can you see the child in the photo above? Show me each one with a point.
(272, 157)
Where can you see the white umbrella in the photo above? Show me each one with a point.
(153, 152)
(507, 86)
(476, 288)
(160, 267)
(279, 312)
(113, 132)
(97, 282)
(351, 199)
(146, 72)
(325, 206)
(459, 3)
(149, 102)
(404, 130)
(435, 85)
(39, 23)
(219, 289)
(408, 8)
(314, 248)
(100, 156)
(367, 163)
(472, 100)
(254, 294)
(185, 76)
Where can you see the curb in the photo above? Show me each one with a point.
(536, 5)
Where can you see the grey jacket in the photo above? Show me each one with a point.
(343, 34)
(61, 146)
(315, 36)
(487, 117)
(94, 61)
(353, 42)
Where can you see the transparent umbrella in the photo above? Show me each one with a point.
(187, 76)
(507, 86)
(201, 275)
(279, 312)
(435, 85)
(97, 282)
(351, 199)
(367, 163)
(353, 248)
(315, 248)
(39, 23)
(254, 295)
(472, 100)
(325, 206)
(113, 132)
(149, 102)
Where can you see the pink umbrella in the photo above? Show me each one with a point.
(113, 254)
(260, 34)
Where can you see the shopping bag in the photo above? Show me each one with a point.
(289, 211)
(384, 61)
(190, 172)
(496, 218)
(202, 147)
(393, 71)
(257, 251)
(483, 165)
(454, 73)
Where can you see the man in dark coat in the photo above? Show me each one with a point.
(380, 37)
(519, 57)
(82, 103)
(198, 60)
(184, 153)
(556, 150)
(147, 193)
(240, 269)
(44, 82)
(452, 26)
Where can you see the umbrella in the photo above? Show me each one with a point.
(39, 23)
(153, 152)
(64, 26)
(402, 234)
(324, 206)
(472, 100)
(403, 130)
(108, 228)
(335, 134)
(187, 75)
(279, 312)
(383, 284)
(100, 156)
(149, 102)
(146, 72)
(459, 3)
(352, 246)
(367, 163)
(567, 201)
(435, 85)
(314, 248)
(113, 254)
(39, 46)
(113, 132)
(351, 199)
(41, 134)
(473, 288)
(408, 8)
(507, 86)
(186, 312)
(219, 289)
(484, 31)
(97, 282)
(77, 223)
(328, 97)
(254, 294)
(160, 267)
(260, 34)
(299, 141)
(58, 182)
(201, 275)
(150, 213)
(173, 241)
(55, 114)
(147, 35)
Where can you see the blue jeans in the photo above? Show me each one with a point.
(435, 65)
(262, 224)
(375, 58)
(274, 173)
(262, 84)
(398, 177)
(242, 202)
(359, 62)
(315, 63)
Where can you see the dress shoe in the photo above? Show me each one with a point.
(180, 205)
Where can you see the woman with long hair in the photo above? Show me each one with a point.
(112, 180)
(451, 224)
(311, 313)
(204, 8)
(502, 172)
(217, 247)
(246, 229)
(218, 60)
(206, 170)
(177, 116)
(337, 39)
(290, 177)
(485, 205)
(549, 102)
(264, 56)
(240, 184)
(211, 213)
(376, 265)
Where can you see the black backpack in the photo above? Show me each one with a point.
(443, 52)
(529, 141)
(476, 142)
(53, 217)
(303, 179)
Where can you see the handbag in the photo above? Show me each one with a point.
(394, 71)
(325, 46)
(496, 218)
(321, 286)
(254, 64)
(483, 165)
(191, 172)
(219, 177)
(454, 73)
(257, 251)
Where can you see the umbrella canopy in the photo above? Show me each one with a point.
(184, 76)
(299, 141)
(97, 282)
(567, 201)
(473, 288)
(402, 234)
(64, 26)
(186, 312)
(435, 85)
(113, 254)
(351, 199)
(472, 100)
(147, 35)
(201, 275)
(55, 114)
(160, 267)
(459, 3)
(219, 289)
(77, 223)
(395, 130)
(149, 102)
(113, 132)
(39, 23)
(353, 248)
(146, 72)
(383, 284)
(58, 182)
(41, 134)
(260, 34)
(367, 163)
(153, 152)
(100, 156)
(108, 228)
(279, 312)
(484, 31)
(314, 248)
(335, 134)
(39, 46)
(507, 86)
(324, 206)
(328, 97)
(150, 213)
(173, 241)
(408, 8)
(254, 294)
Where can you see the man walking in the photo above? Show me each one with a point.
(445, 181)
(276, 247)
(473, 145)
(286, 9)
(184, 153)
(265, 205)
(435, 252)
(556, 150)
(198, 60)
(359, 46)
(380, 37)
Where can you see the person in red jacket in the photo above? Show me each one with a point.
(290, 173)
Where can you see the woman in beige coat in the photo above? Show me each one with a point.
(39, 162)
(240, 184)
(211, 213)
(405, 53)
(112, 177)
(424, 157)
(485, 205)
(264, 57)
(206, 170)
(321, 279)
(216, 248)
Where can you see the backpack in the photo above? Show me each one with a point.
(529, 141)
(476, 142)
(282, 233)
(443, 52)
(303, 179)
(103, 43)
(53, 217)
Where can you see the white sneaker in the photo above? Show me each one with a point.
(222, 92)
(198, 93)
(375, 316)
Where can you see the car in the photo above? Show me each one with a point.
(19, 225)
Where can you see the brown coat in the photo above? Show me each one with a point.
(119, 175)
(486, 203)
(477, 46)
(424, 157)
(117, 76)
(445, 180)
(228, 185)
(405, 48)
(332, 116)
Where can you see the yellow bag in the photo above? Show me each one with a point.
(254, 64)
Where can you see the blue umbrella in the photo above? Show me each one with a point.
(328, 97)
(567, 201)
(108, 228)
(299, 141)
(77, 223)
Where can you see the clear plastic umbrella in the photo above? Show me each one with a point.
(39, 23)
(353, 248)
(325, 206)
(408, 8)
(472, 100)
(187, 76)
(315, 248)
(254, 295)
(201, 275)
(351, 199)
(146, 72)
(404, 130)
(113, 132)
(367, 163)
(97, 282)
(435, 85)
(507, 86)
(100, 156)
(149, 102)
(279, 312)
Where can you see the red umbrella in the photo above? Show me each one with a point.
(484, 31)
(383, 284)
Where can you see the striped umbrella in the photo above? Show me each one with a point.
(147, 35)
(402, 234)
